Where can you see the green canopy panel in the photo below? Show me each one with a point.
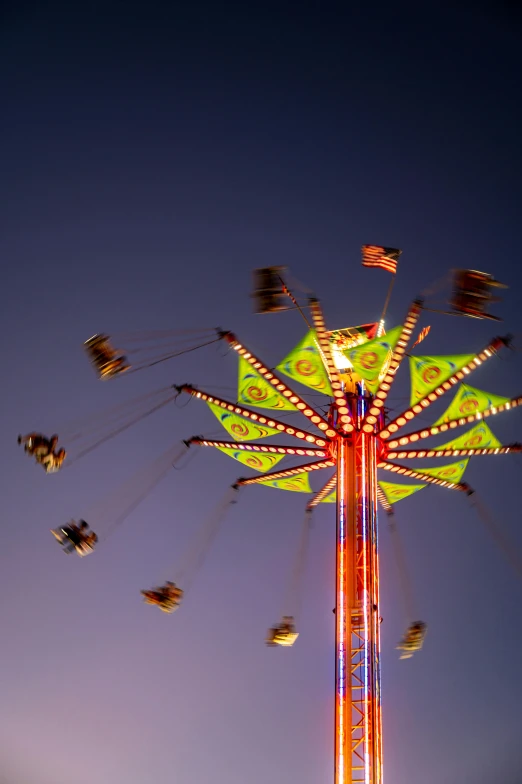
(469, 400)
(370, 359)
(299, 483)
(396, 493)
(255, 460)
(305, 364)
(428, 373)
(239, 427)
(254, 390)
(479, 437)
(450, 473)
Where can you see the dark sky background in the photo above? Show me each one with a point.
(151, 156)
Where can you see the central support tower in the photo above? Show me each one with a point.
(358, 735)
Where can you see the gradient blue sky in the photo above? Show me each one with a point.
(152, 155)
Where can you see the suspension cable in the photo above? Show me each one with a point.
(160, 468)
(169, 346)
(293, 599)
(199, 548)
(72, 431)
(159, 334)
(121, 429)
(400, 560)
(498, 534)
(166, 357)
(291, 297)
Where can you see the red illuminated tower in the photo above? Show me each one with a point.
(356, 440)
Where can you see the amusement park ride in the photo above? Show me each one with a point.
(352, 439)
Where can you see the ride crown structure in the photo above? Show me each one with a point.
(351, 439)
(356, 439)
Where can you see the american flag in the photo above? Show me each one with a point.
(377, 256)
(422, 334)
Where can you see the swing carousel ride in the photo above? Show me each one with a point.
(350, 438)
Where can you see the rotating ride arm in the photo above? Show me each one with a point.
(278, 384)
(433, 480)
(289, 472)
(434, 430)
(452, 452)
(398, 354)
(253, 416)
(426, 401)
(328, 488)
(253, 447)
(345, 417)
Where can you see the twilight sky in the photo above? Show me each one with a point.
(151, 156)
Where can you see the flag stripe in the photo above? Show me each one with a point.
(422, 334)
(378, 256)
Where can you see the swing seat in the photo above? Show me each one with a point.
(167, 598)
(413, 640)
(168, 606)
(472, 294)
(84, 549)
(59, 534)
(104, 358)
(283, 634)
(286, 638)
(268, 290)
(113, 368)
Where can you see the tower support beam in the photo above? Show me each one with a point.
(358, 735)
